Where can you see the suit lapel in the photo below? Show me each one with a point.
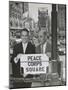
(21, 48)
(46, 47)
(39, 49)
(27, 48)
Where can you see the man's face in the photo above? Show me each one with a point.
(24, 36)
(42, 38)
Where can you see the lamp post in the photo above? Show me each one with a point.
(54, 38)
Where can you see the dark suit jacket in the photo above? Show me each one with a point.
(18, 49)
(48, 48)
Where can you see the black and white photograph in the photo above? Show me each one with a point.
(37, 44)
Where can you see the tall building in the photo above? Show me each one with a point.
(43, 18)
(16, 11)
(61, 19)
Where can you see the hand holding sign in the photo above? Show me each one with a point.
(16, 59)
(48, 54)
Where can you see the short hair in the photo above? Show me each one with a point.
(25, 29)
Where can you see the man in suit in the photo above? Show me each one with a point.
(24, 47)
(45, 46)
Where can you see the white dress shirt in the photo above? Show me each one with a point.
(24, 46)
(44, 47)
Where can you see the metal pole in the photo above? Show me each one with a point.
(54, 38)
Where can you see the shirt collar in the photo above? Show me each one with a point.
(45, 44)
(24, 43)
